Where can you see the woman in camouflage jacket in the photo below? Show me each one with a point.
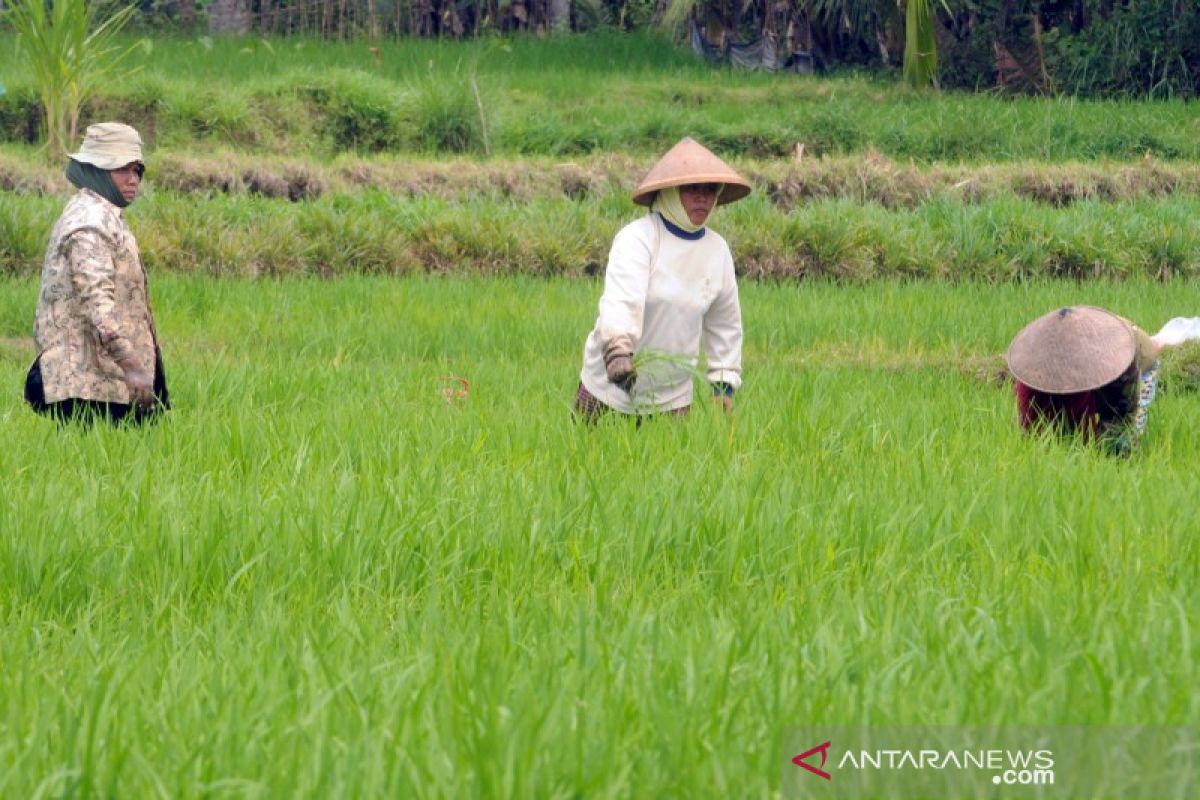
(98, 352)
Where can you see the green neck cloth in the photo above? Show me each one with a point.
(89, 176)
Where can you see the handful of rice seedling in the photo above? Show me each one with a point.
(1180, 372)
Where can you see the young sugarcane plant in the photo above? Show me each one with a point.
(69, 58)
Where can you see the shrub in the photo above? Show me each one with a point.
(20, 115)
(445, 114)
(355, 112)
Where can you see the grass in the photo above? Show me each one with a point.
(866, 178)
(321, 577)
(581, 95)
(326, 574)
(892, 184)
(942, 238)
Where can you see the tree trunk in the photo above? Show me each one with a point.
(228, 17)
(1078, 17)
(560, 16)
(1002, 17)
(372, 21)
(187, 14)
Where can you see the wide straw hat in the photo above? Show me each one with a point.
(110, 145)
(1073, 349)
(691, 162)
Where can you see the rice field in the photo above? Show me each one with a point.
(370, 554)
(329, 573)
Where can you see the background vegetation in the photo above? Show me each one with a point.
(326, 574)
(1144, 48)
(281, 157)
(71, 54)
(1000, 239)
(569, 97)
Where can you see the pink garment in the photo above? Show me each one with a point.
(1076, 412)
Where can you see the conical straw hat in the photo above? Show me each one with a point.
(1073, 349)
(691, 162)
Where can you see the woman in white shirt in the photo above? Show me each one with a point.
(669, 286)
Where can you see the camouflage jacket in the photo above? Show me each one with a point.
(1122, 436)
(94, 307)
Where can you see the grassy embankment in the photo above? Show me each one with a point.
(892, 182)
(376, 233)
(321, 577)
(578, 96)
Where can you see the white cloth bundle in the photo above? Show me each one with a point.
(1178, 331)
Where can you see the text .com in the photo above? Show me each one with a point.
(1025, 777)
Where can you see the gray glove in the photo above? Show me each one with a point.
(618, 363)
(140, 383)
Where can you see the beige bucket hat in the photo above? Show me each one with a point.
(691, 162)
(110, 145)
(1073, 349)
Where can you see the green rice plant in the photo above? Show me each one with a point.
(1157, 240)
(342, 240)
(869, 537)
(830, 243)
(565, 242)
(72, 58)
(1180, 371)
(208, 115)
(547, 133)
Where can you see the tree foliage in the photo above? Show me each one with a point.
(1085, 47)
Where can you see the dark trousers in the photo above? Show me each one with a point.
(86, 412)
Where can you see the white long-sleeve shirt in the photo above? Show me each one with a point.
(665, 292)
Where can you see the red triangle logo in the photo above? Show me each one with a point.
(800, 762)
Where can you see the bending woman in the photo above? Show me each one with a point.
(1085, 371)
(669, 285)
